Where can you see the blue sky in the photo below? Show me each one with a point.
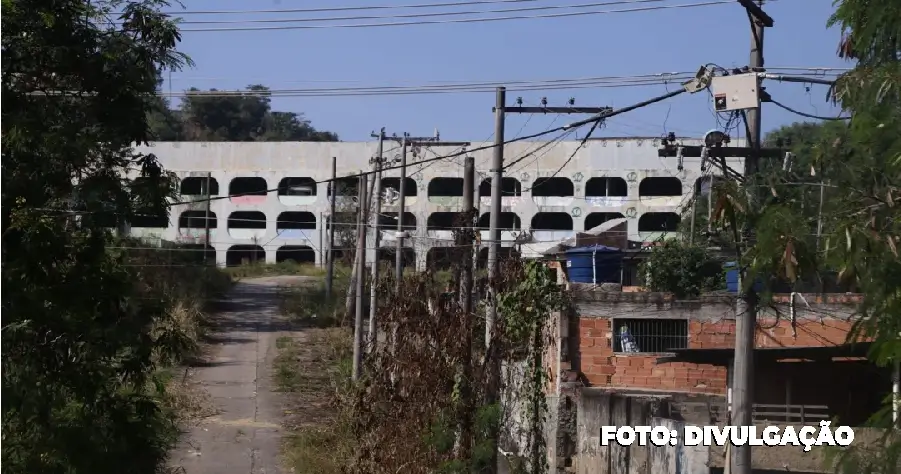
(620, 44)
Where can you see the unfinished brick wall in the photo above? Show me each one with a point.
(711, 324)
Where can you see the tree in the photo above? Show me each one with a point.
(240, 117)
(78, 87)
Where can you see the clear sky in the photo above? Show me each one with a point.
(616, 44)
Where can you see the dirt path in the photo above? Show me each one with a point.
(244, 437)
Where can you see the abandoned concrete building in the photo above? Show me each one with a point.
(546, 196)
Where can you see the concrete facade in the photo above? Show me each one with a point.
(606, 178)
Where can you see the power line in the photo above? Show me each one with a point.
(342, 9)
(467, 20)
(804, 114)
(417, 15)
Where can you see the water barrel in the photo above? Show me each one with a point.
(594, 264)
(731, 277)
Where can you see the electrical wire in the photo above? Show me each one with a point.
(417, 15)
(342, 9)
(803, 114)
(467, 20)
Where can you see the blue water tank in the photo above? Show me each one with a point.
(594, 264)
(731, 277)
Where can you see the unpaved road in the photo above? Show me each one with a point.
(244, 436)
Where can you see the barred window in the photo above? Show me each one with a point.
(649, 335)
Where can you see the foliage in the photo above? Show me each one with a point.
(83, 331)
(684, 270)
(235, 117)
(525, 308)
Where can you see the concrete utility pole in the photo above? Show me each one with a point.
(746, 306)
(361, 267)
(401, 208)
(379, 160)
(358, 257)
(466, 242)
(494, 244)
(206, 225)
(330, 271)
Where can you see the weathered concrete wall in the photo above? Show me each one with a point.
(629, 159)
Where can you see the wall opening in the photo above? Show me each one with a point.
(295, 220)
(440, 258)
(389, 255)
(295, 191)
(553, 187)
(388, 221)
(504, 253)
(410, 188)
(506, 221)
(649, 335)
(347, 186)
(510, 187)
(199, 253)
(247, 220)
(244, 255)
(247, 186)
(597, 218)
(659, 222)
(196, 186)
(147, 218)
(660, 186)
(552, 221)
(196, 220)
(442, 220)
(606, 187)
(295, 253)
(446, 187)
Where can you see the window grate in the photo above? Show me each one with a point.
(649, 335)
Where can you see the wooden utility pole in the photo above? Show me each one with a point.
(361, 267)
(330, 271)
(746, 306)
(494, 244)
(378, 161)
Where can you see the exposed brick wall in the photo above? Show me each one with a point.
(711, 325)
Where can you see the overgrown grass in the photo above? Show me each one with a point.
(309, 304)
(315, 372)
(289, 267)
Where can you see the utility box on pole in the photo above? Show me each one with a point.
(736, 92)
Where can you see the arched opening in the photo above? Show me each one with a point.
(553, 187)
(246, 224)
(388, 255)
(244, 255)
(442, 220)
(346, 186)
(606, 187)
(148, 219)
(295, 220)
(388, 221)
(440, 258)
(510, 187)
(446, 187)
(660, 186)
(506, 221)
(597, 218)
(196, 186)
(199, 253)
(247, 190)
(410, 188)
(659, 222)
(297, 191)
(292, 225)
(196, 220)
(504, 253)
(552, 221)
(295, 253)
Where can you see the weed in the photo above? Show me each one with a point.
(289, 267)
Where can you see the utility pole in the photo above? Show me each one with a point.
(355, 274)
(330, 271)
(494, 244)
(746, 306)
(373, 313)
(466, 242)
(361, 267)
(206, 225)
